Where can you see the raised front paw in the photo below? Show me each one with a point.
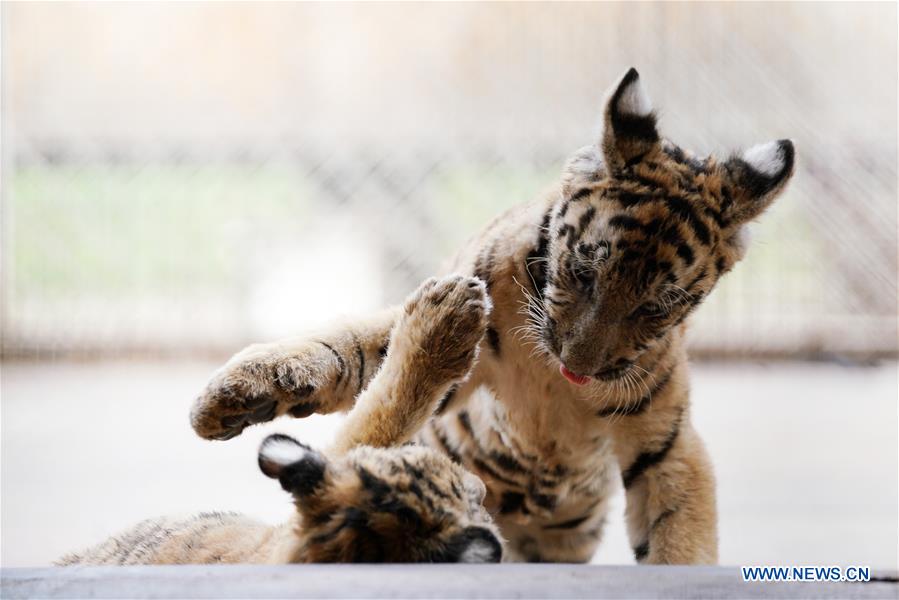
(442, 323)
(262, 382)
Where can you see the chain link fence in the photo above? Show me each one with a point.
(187, 178)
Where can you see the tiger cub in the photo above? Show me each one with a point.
(582, 385)
(367, 499)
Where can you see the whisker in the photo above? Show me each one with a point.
(647, 374)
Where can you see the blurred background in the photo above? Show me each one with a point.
(179, 180)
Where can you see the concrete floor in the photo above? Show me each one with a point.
(421, 581)
(806, 456)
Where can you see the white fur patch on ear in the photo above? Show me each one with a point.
(768, 159)
(281, 450)
(584, 166)
(478, 551)
(633, 99)
(586, 161)
(477, 545)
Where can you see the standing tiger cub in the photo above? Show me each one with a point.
(582, 381)
(369, 498)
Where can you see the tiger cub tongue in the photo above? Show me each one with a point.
(575, 379)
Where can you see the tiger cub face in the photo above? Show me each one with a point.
(404, 504)
(641, 234)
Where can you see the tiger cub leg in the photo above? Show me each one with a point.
(668, 480)
(316, 374)
(432, 347)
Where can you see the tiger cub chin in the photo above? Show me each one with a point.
(402, 504)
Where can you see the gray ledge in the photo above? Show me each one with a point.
(418, 581)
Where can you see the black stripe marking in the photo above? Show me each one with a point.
(444, 442)
(626, 222)
(696, 281)
(686, 254)
(675, 153)
(535, 262)
(418, 493)
(641, 551)
(727, 199)
(654, 227)
(361, 356)
(585, 220)
(642, 404)
(720, 265)
(483, 268)
(653, 184)
(465, 422)
(572, 524)
(556, 302)
(447, 398)
(682, 208)
(661, 517)
(436, 490)
(647, 460)
(544, 501)
(696, 299)
(581, 193)
(502, 460)
(378, 488)
(637, 160)
(483, 467)
(328, 536)
(720, 221)
(558, 470)
(493, 340)
(665, 267)
(367, 546)
(507, 462)
(671, 234)
(627, 199)
(303, 409)
(341, 366)
(511, 502)
(567, 230)
(677, 206)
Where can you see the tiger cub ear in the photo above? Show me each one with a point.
(300, 469)
(472, 545)
(583, 168)
(756, 178)
(629, 124)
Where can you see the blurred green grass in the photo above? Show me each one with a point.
(123, 230)
(111, 229)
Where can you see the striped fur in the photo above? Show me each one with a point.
(369, 498)
(598, 276)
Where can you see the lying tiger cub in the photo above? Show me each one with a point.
(367, 499)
